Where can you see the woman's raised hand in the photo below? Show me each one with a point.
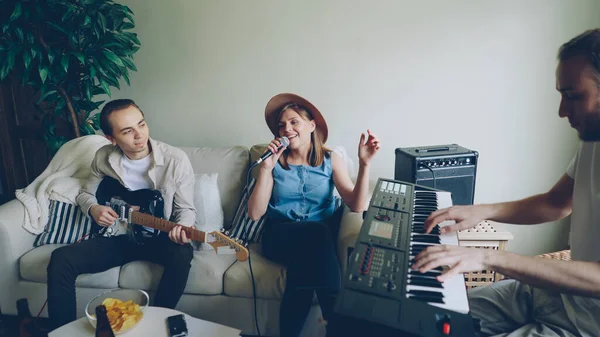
(367, 149)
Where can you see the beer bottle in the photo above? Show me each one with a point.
(103, 328)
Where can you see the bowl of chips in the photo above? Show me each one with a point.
(124, 308)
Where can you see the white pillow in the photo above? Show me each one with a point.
(207, 200)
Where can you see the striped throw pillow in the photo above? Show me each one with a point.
(242, 227)
(66, 224)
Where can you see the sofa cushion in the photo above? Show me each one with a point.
(205, 278)
(66, 224)
(230, 163)
(242, 227)
(269, 277)
(207, 200)
(33, 266)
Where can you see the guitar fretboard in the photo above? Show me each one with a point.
(166, 225)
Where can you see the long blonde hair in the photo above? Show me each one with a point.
(318, 151)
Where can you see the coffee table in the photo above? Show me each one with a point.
(153, 324)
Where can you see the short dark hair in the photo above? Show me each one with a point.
(586, 44)
(114, 105)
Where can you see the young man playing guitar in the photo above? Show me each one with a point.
(137, 162)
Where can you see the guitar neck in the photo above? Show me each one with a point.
(148, 220)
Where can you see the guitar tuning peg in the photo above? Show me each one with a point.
(227, 233)
(222, 229)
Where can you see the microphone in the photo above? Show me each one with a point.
(283, 142)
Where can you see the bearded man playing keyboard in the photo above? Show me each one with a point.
(544, 297)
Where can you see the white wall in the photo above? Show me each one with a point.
(476, 73)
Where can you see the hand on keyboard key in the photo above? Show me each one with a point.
(456, 218)
(459, 259)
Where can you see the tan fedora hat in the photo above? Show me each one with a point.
(273, 109)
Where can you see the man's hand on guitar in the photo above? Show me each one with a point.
(103, 215)
(178, 235)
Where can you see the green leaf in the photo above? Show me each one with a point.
(105, 87)
(92, 72)
(80, 57)
(67, 15)
(10, 58)
(97, 91)
(64, 61)
(43, 73)
(97, 32)
(129, 64)
(19, 33)
(113, 57)
(3, 71)
(133, 37)
(115, 45)
(127, 25)
(113, 82)
(57, 27)
(50, 56)
(27, 59)
(30, 38)
(94, 120)
(4, 28)
(126, 77)
(88, 92)
(102, 21)
(50, 92)
(60, 105)
(87, 21)
(130, 17)
(16, 12)
(88, 129)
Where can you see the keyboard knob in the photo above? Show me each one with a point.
(391, 286)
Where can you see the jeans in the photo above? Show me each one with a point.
(308, 251)
(101, 253)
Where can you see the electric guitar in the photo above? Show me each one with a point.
(140, 210)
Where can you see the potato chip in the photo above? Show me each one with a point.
(122, 315)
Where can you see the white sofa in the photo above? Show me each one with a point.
(219, 288)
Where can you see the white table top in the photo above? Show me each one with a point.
(152, 324)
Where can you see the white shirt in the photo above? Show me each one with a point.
(584, 168)
(136, 175)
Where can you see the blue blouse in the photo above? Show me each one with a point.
(302, 193)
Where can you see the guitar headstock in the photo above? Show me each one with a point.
(221, 239)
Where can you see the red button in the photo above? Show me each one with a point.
(446, 328)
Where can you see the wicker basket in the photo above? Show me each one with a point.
(564, 255)
(484, 235)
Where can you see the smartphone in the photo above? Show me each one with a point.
(177, 326)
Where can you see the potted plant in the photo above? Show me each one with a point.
(68, 51)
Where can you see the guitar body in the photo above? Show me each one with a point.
(143, 213)
(149, 202)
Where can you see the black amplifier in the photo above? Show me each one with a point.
(451, 168)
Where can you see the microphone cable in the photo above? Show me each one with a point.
(245, 239)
